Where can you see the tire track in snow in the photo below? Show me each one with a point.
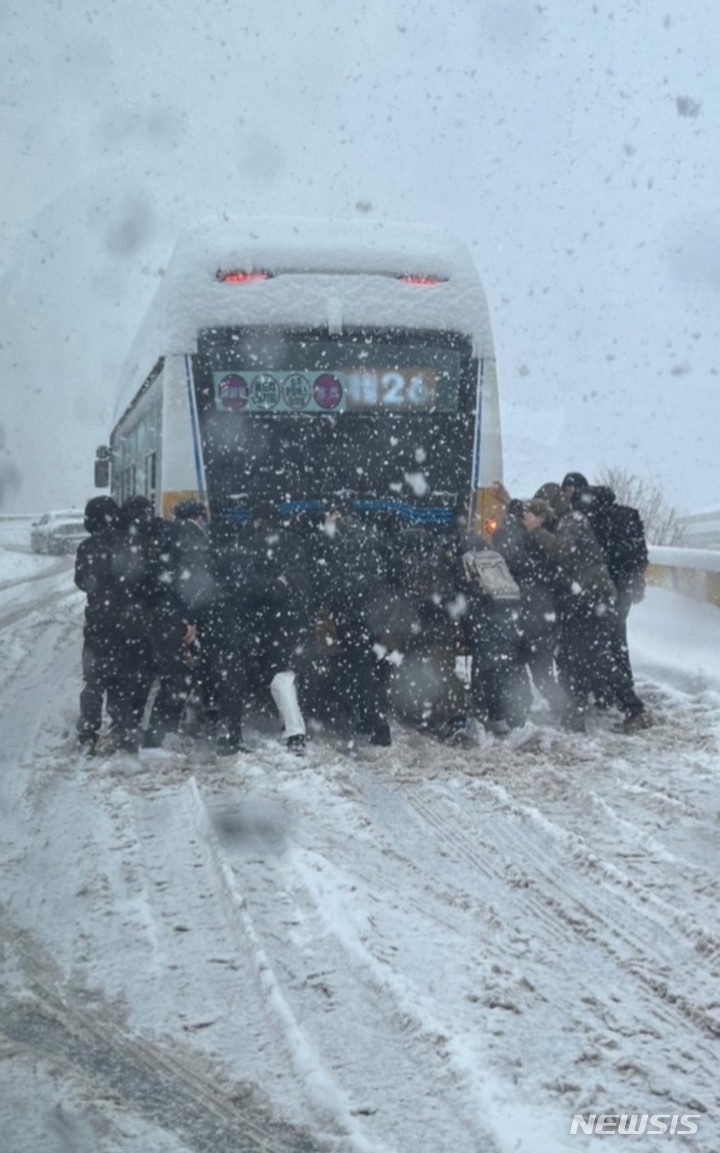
(531, 878)
(607, 906)
(353, 928)
(44, 603)
(180, 1091)
(348, 1037)
(60, 566)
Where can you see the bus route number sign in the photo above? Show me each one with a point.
(279, 392)
(412, 389)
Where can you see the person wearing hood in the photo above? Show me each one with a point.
(572, 488)
(620, 533)
(352, 574)
(173, 593)
(428, 603)
(535, 574)
(585, 596)
(136, 666)
(258, 625)
(95, 576)
(491, 597)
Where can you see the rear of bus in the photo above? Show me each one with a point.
(308, 362)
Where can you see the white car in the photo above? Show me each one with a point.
(58, 532)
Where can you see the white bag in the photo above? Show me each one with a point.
(489, 570)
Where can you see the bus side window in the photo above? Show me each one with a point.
(127, 483)
(151, 476)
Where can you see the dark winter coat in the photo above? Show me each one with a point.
(424, 574)
(264, 598)
(621, 535)
(582, 580)
(535, 571)
(167, 569)
(353, 573)
(95, 575)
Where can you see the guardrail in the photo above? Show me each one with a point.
(693, 572)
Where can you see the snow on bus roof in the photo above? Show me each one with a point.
(321, 273)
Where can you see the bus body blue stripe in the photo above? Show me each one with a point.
(431, 515)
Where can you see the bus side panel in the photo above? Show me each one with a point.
(490, 462)
(182, 471)
(487, 460)
(135, 448)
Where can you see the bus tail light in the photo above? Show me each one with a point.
(242, 277)
(422, 281)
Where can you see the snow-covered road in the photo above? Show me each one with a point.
(367, 951)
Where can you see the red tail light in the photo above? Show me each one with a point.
(421, 281)
(242, 277)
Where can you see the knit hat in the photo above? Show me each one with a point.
(101, 512)
(135, 508)
(539, 508)
(603, 496)
(575, 480)
(549, 492)
(553, 495)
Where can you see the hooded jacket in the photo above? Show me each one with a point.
(621, 535)
(583, 581)
(95, 572)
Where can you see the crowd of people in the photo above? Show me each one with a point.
(348, 621)
(580, 560)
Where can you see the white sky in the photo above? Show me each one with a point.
(573, 145)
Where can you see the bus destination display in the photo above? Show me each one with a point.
(400, 389)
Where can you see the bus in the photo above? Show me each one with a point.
(295, 361)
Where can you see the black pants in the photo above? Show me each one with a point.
(538, 653)
(584, 656)
(174, 675)
(100, 682)
(240, 654)
(135, 672)
(222, 677)
(499, 680)
(361, 682)
(622, 684)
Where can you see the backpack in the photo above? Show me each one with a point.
(487, 570)
(621, 536)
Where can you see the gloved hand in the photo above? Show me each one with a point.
(500, 493)
(637, 589)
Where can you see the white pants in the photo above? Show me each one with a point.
(284, 693)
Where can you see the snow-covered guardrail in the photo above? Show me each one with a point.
(694, 572)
